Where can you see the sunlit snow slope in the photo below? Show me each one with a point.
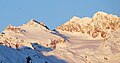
(79, 40)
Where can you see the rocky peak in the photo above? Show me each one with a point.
(104, 16)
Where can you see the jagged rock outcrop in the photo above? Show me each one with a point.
(13, 42)
(100, 24)
(14, 29)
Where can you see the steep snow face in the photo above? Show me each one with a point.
(80, 40)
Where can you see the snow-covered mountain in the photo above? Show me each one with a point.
(79, 40)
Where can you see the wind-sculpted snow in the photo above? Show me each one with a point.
(80, 40)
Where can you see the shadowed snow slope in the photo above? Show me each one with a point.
(9, 55)
(80, 40)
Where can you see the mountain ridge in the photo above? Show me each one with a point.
(79, 40)
(92, 26)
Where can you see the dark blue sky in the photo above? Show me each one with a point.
(52, 12)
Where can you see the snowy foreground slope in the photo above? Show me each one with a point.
(80, 40)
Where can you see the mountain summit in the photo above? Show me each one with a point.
(37, 24)
(101, 23)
